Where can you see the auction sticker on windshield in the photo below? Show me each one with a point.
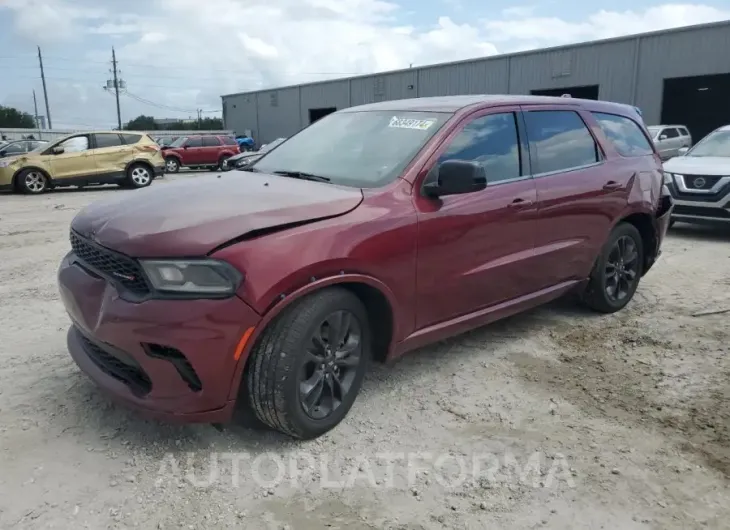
(410, 123)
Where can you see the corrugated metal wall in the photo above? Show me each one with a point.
(629, 70)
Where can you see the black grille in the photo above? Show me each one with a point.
(179, 361)
(117, 267)
(127, 371)
(681, 209)
(700, 182)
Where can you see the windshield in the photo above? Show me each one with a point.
(714, 144)
(359, 149)
(179, 141)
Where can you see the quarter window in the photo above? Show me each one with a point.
(625, 134)
(131, 138)
(107, 140)
(229, 141)
(493, 142)
(559, 140)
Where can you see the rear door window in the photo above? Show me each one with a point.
(107, 140)
(625, 134)
(211, 141)
(559, 141)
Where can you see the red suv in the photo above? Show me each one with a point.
(374, 231)
(199, 151)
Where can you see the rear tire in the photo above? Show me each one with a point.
(172, 165)
(296, 383)
(617, 271)
(32, 182)
(138, 176)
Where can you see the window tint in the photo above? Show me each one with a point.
(194, 141)
(670, 132)
(131, 138)
(230, 141)
(625, 134)
(559, 140)
(75, 144)
(107, 140)
(491, 140)
(211, 141)
(15, 148)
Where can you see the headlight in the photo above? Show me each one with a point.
(668, 178)
(199, 277)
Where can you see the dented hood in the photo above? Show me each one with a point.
(192, 217)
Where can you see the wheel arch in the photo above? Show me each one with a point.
(26, 168)
(379, 302)
(644, 223)
(141, 161)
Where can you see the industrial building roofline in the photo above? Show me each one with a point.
(708, 25)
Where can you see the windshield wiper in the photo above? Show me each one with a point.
(301, 175)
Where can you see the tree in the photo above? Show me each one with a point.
(142, 123)
(13, 118)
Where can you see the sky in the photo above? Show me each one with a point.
(177, 56)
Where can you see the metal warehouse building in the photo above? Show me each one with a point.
(679, 76)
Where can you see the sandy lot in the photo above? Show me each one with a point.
(554, 419)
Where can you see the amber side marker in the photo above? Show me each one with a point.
(242, 343)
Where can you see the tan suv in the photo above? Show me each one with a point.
(128, 159)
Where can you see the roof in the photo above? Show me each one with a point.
(454, 103)
(724, 128)
(669, 31)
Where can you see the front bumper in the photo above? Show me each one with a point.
(661, 225)
(170, 359)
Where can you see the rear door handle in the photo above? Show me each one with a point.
(519, 202)
(611, 185)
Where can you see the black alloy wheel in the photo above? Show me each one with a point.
(622, 269)
(330, 366)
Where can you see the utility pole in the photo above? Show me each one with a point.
(37, 121)
(200, 119)
(116, 88)
(45, 92)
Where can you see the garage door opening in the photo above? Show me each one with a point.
(699, 102)
(318, 114)
(582, 92)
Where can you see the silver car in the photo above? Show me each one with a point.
(669, 139)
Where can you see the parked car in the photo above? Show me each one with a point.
(199, 152)
(245, 143)
(128, 159)
(699, 180)
(243, 160)
(374, 231)
(20, 147)
(669, 139)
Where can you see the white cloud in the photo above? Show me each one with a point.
(197, 50)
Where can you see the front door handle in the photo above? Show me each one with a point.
(611, 185)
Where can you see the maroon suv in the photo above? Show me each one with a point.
(199, 152)
(374, 231)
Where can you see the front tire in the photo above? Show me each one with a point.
(307, 367)
(617, 271)
(32, 182)
(172, 165)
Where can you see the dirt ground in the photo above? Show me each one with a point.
(553, 419)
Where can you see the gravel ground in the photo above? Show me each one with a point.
(557, 418)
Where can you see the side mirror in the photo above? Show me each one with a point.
(683, 151)
(455, 177)
(58, 150)
(663, 137)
